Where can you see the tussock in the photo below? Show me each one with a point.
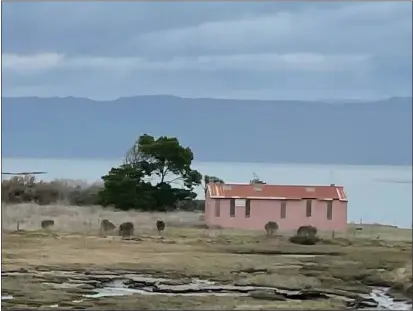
(84, 219)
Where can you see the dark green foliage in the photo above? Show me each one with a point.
(156, 176)
(306, 235)
(211, 179)
(124, 188)
(162, 157)
(162, 160)
(271, 227)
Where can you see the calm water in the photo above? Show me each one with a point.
(380, 194)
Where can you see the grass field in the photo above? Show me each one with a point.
(378, 255)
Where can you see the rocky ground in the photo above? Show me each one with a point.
(198, 269)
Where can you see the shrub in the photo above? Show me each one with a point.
(84, 196)
(160, 225)
(126, 229)
(271, 227)
(307, 231)
(304, 240)
(306, 235)
(26, 189)
(106, 225)
(46, 224)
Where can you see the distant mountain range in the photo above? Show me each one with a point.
(376, 132)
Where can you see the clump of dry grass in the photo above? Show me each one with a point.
(107, 225)
(86, 219)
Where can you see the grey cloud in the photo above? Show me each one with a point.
(336, 30)
(207, 49)
(258, 62)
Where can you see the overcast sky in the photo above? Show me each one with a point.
(261, 50)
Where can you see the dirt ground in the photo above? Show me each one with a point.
(343, 263)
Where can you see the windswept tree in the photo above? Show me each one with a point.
(160, 170)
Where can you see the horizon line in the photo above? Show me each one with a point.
(210, 162)
(326, 100)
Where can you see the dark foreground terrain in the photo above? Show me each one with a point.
(190, 268)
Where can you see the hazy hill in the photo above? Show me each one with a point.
(378, 132)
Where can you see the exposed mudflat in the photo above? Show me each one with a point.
(99, 284)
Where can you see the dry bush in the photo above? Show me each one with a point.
(107, 225)
(307, 231)
(86, 219)
(160, 225)
(126, 229)
(306, 235)
(48, 223)
(25, 189)
(271, 227)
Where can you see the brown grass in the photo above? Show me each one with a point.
(188, 250)
(86, 219)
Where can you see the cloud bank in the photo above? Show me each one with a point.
(238, 50)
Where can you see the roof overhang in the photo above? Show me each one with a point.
(273, 198)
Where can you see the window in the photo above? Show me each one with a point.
(283, 209)
(232, 208)
(308, 212)
(240, 202)
(329, 210)
(248, 209)
(217, 207)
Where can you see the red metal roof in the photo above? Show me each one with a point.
(258, 191)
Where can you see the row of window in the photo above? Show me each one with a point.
(283, 212)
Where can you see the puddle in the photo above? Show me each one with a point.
(378, 299)
(385, 302)
(113, 291)
(6, 297)
(160, 286)
(99, 284)
(299, 256)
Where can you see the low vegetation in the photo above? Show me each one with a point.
(107, 225)
(187, 251)
(152, 189)
(160, 225)
(126, 229)
(19, 190)
(48, 223)
(306, 235)
(155, 176)
(271, 227)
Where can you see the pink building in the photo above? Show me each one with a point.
(251, 206)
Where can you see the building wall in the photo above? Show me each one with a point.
(262, 211)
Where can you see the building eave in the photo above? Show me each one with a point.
(273, 198)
